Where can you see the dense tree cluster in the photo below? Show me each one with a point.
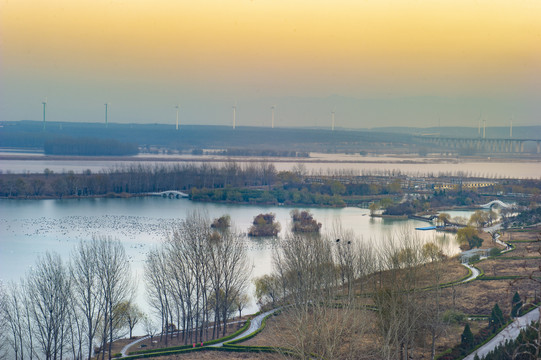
(525, 347)
(88, 147)
(259, 196)
(264, 225)
(260, 152)
(71, 310)
(316, 274)
(197, 277)
(468, 237)
(304, 222)
(137, 179)
(525, 218)
(31, 134)
(468, 341)
(221, 223)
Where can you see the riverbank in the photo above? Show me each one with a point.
(280, 333)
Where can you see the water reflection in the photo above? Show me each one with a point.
(30, 228)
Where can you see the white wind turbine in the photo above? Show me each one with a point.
(106, 114)
(272, 109)
(479, 125)
(234, 115)
(44, 103)
(178, 108)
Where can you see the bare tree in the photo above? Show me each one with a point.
(88, 297)
(132, 315)
(4, 324)
(115, 284)
(198, 272)
(399, 312)
(324, 324)
(156, 272)
(49, 291)
(14, 316)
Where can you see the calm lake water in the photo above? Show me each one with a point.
(327, 162)
(29, 228)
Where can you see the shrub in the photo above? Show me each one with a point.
(494, 252)
(516, 305)
(466, 339)
(264, 225)
(453, 316)
(222, 222)
(496, 319)
(304, 222)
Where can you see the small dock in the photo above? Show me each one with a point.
(426, 228)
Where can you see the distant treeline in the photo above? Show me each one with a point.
(262, 152)
(251, 183)
(274, 196)
(438, 199)
(88, 147)
(30, 134)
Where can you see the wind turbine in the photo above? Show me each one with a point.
(479, 125)
(332, 120)
(44, 109)
(178, 108)
(234, 115)
(106, 108)
(511, 128)
(272, 109)
(484, 127)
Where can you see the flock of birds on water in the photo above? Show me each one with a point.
(137, 233)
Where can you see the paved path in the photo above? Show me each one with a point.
(124, 350)
(255, 324)
(474, 273)
(509, 333)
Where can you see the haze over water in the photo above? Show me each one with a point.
(374, 63)
(490, 169)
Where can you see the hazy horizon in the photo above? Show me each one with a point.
(374, 63)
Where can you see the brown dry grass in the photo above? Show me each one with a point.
(448, 271)
(475, 298)
(530, 235)
(511, 267)
(177, 339)
(211, 355)
(281, 330)
(488, 243)
(532, 248)
(478, 297)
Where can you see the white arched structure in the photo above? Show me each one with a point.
(172, 194)
(496, 202)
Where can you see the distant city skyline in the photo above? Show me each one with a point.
(374, 63)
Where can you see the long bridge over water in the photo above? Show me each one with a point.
(494, 145)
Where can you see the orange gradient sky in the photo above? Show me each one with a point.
(161, 52)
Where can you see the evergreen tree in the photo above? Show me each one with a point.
(516, 305)
(496, 318)
(476, 357)
(466, 339)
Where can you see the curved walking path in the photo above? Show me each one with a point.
(255, 324)
(474, 273)
(509, 333)
(124, 350)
